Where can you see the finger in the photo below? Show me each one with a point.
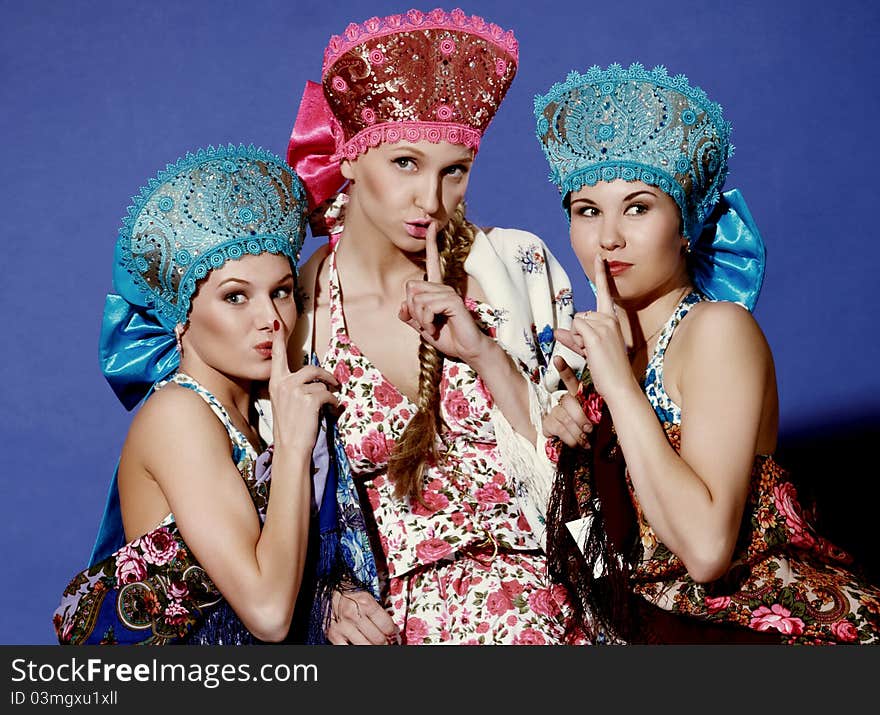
(364, 613)
(604, 304)
(334, 637)
(380, 618)
(365, 632)
(552, 426)
(570, 340)
(575, 413)
(354, 637)
(280, 366)
(432, 255)
(313, 374)
(569, 379)
(414, 313)
(583, 330)
(317, 402)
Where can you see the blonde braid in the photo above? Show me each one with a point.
(406, 466)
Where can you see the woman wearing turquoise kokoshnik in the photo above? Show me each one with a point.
(205, 274)
(699, 536)
(434, 328)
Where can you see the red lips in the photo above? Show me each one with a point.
(615, 268)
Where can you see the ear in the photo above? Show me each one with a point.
(347, 169)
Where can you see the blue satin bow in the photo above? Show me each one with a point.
(136, 351)
(728, 258)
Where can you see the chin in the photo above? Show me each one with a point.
(408, 244)
(257, 373)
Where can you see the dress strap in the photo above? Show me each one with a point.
(238, 439)
(337, 317)
(652, 384)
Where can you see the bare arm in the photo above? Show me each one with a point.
(722, 369)
(258, 571)
(695, 500)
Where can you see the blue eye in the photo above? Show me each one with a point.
(457, 171)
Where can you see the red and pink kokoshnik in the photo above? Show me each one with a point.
(437, 76)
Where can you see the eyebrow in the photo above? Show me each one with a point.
(413, 151)
(628, 197)
(233, 280)
(636, 193)
(242, 281)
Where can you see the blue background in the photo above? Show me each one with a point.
(97, 96)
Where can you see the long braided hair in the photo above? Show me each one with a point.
(417, 445)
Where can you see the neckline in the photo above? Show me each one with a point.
(691, 297)
(181, 378)
(339, 328)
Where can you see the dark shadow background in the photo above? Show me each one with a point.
(97, 95)
(834, 466)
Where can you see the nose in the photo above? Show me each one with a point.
(611, 234)
(266, 313)
(427, 196)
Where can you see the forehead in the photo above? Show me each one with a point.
(440, 152)
(616, 190)
(264, 268)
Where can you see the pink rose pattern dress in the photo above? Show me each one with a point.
(465, 567)
(785, 578)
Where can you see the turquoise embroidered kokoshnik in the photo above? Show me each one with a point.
(644, 125)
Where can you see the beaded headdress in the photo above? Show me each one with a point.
(215, 205)
(636, 125)
(209, 207)
(641, 125)
(436, 76)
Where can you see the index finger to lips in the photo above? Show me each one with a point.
(280, 366)
(312, 373)
(604, 304)
(432, 255)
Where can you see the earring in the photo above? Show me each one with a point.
(177, 334)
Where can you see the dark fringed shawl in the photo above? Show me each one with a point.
(591, 483)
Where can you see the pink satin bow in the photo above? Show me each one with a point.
(312, 143)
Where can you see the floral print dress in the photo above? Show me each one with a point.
(785, 578)
(464, 567)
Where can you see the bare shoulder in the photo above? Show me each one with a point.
(309, 273)
(180, 421)
(312, 279)
(722, 329)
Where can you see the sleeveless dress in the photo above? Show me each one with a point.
(465, 567)
(784, 580)
(152, 591)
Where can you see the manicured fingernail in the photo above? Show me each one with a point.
(276, 325)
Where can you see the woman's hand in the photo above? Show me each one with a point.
(567, 420)
(297, 398)
(358, 619)
(597, 336)
(438, 313)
